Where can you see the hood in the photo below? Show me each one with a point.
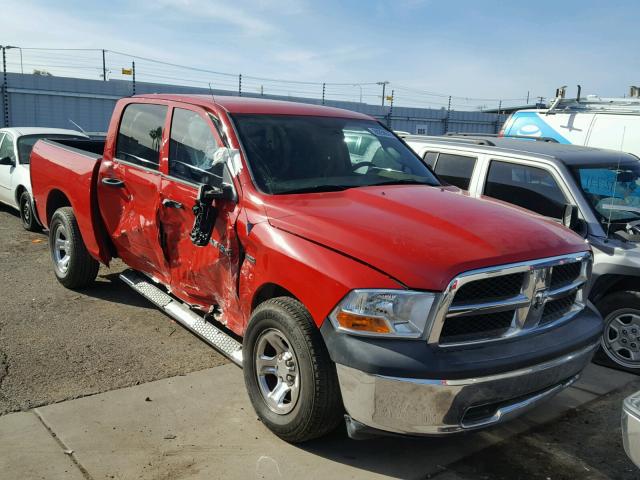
(421, 236)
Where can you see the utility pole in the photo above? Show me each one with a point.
(104, 67)
(324, 86)
(5, 94)
(262, 90)
(446, 120)
(239, 84)
(384, 85)
(133, 72)
(498, 117)
(527, 97)
(390, 109)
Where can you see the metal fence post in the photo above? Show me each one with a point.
(239, 84)
(498, 117)
(133, 72)
(104, 67)
(446, 120)
(323, 91)
(5, 93)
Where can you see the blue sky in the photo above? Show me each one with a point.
(480, 49)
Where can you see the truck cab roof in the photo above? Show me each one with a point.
(249, 105)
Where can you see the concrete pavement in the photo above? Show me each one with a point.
(202, 426)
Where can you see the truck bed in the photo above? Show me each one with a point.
(64, 173)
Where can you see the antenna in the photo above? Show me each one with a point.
(615, 183)
(78, 126)
(211, 92)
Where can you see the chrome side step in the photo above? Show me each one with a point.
(215, 337)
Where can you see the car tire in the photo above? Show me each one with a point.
(620, 346)
(72, 264)
(283, 349)
(27, 215)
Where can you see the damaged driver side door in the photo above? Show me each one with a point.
(206, 275)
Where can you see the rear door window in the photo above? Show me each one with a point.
(140, 134)
(455, 169)
(528, 187)
(430, 158)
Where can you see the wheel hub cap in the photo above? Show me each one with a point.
(61, 249)
(277, 371)
(621, 339)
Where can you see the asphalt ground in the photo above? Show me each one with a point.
(56, 344)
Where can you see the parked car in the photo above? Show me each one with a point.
(603, 186)
(15, 150)
(631, 427)
(354, 280)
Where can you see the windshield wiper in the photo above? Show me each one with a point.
(316, 189)
(403, 181)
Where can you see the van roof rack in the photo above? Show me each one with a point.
(495, 135)
(595, 103)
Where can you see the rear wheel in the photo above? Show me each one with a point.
(72, 264)
(26, 213)
(291, 381)
(621, 337)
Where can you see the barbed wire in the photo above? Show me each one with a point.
(81, 62)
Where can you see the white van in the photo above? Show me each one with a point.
(612, 123)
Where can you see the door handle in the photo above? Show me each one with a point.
(167, 202)
(112, 182)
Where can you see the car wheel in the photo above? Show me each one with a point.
(291, 381)
(72, 264)
(621, 337)
(26, 213)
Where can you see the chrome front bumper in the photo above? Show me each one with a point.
(631, 427)
(435, 407)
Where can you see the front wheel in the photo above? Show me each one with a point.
(72, 264)
(621, 337)
(291, 381)
(26, 213)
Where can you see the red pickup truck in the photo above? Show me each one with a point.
(314, 249)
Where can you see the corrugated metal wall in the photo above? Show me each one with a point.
(56, 101)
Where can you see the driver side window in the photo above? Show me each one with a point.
(192, 147)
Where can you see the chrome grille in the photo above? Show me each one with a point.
(510, 300)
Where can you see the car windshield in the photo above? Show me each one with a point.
(301, 154)
(26, 143)
(613, 190)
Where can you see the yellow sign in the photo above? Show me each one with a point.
(389, 98)
(127, 71)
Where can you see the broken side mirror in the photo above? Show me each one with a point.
(571, 219)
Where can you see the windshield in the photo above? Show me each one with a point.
(296, 154)
(612, 190)
(26, 143)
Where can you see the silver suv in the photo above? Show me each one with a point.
(594, 191)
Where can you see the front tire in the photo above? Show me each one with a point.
(291, 381)
(27, 216)
(72, 264)
(621, 337)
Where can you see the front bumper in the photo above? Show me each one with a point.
(631, 427)
(419, 406)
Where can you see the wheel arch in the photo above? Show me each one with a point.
(611, 283)
(55, 200)
(20, 189)
(268, 291)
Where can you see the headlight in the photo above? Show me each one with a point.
(389, 313)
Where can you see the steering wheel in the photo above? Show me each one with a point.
(356, 166)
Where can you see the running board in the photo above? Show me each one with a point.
(177, 310)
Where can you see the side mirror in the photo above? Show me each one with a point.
(7, 161)
(572, 220)
(222, 157)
